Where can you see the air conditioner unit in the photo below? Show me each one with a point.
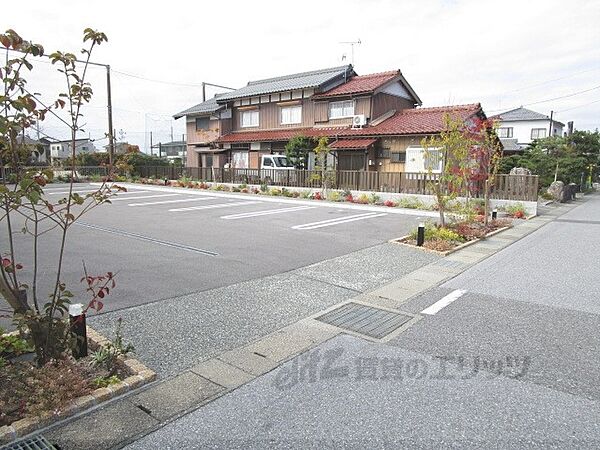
(358, 120)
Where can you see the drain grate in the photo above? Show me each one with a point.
(33, 443)
(367, 320)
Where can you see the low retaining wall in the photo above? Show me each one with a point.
(530, 207)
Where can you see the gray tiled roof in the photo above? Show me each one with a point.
(288, 82)
(209, 106)
(521, 114)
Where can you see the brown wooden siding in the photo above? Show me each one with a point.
(321, 111)
(382, 103)
(270, 117)
(202, 136)
(396, 145)
(192, 158)
(362, 105)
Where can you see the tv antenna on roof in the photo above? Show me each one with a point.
(352, 44)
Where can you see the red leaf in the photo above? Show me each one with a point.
(100, 293)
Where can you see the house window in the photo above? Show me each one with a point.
(397, 157)
(209, 160)
(202, 123)
(291, 115)
(383, 153)
(505, 132)
(338, 110)
(538, 133)
(249, 118)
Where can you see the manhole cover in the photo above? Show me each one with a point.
(33, 443)
(372, 322)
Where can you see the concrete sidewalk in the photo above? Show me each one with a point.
(313, 384)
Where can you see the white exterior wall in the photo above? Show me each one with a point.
(522, 129)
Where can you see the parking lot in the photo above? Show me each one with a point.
(166, 242)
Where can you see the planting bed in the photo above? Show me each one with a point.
(32, 398)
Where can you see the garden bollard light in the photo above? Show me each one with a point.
(494, 214)
(420, 235)
(78, 327)
(166, 181)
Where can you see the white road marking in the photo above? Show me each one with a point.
(442, 303)
(218, 205)
(337, 221)
(266, 212)
(171, 201)
(143, 196)
(95, 190)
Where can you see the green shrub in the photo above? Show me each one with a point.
(305, 194)
(411, 203)
(363, 199)
(334, 196)
(374, 198)
(275, 192)
(516, 210)
(432, 232)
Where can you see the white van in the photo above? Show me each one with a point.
(276, 169)
(275, 162)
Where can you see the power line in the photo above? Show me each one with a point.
(157, 81)
(579, 106)
(549, 99)
(552, 80)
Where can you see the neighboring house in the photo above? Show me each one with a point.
(170, 150)
(120, 148)
(61, 150)
(524, 126)
(372, 121)
(40, 148)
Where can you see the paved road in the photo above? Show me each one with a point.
(511, 363)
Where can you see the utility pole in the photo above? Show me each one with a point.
(108, 92)
(111, 136)
(160, 150)
(151, 151)
(203, 91)
(551, 117)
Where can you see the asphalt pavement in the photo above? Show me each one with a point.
(503, 356)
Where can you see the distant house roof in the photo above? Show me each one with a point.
(521, 113)
(207, 107)
(368, 84)
(405, 122)
(302, 80)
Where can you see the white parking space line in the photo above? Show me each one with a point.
(218, 205)
(94, 190)
(171, 201)
(266, 212)
(338, 221)
(442, 303)
(143, 197)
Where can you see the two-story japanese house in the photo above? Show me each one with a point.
(373, 122)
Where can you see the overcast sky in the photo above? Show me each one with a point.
(503, 54)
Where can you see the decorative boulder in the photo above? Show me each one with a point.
(520, 171)
(557, 190)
